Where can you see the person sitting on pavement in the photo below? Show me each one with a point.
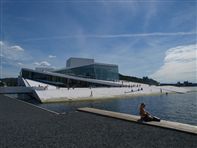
(146, 116)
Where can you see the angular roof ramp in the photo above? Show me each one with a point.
(103, 82)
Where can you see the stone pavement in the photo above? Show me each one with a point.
(26, 126)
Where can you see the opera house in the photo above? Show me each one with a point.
(78, 72)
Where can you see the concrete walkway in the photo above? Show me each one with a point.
(26, 126)
(163, 123)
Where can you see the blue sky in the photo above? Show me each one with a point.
(145, 38)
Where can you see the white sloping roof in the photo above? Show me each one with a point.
(109, 83)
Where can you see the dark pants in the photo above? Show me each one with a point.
(150, 118)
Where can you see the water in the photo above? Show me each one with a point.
(174, 107)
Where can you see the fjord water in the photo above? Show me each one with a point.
(174, 107)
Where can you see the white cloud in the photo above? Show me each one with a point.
(52, 56)
(42, 63)
(181, 53)
(12, 53)
(20, 64)
(180, 64)
(16, 48)
(13, 57)
(1, 43)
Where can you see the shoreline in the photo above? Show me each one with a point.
(130, 104)
(62, 94)
(100, 98)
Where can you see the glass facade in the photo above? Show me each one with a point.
(94, 71)
(106, 72)
(56, 80)
(83, 71)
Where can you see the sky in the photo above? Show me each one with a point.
(150, 38)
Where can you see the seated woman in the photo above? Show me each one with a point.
(146, 116)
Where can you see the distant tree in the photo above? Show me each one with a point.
(144, 80)
(1, 84)
(178, 83)
(185, 83)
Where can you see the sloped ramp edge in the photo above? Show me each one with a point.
(163, 123)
